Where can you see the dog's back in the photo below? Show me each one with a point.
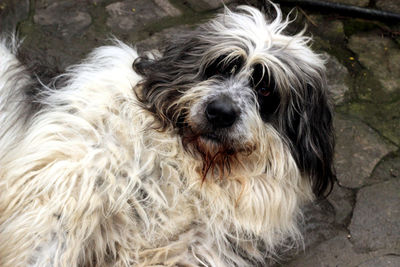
(50, 157)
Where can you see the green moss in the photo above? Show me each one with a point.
(99, 17)
(384, 118)
(28, 21)
(353, 26)
(98, 29)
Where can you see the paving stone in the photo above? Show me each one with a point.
(332, 30)
(159, 40)
(12, 13)
(203, 5)
(376, 90)
(375, 223)
(388, 168)
(66, 15)
(133, 15)
(389, 5)
(358, 149)
(383, 261)
(337, 74)
(361, 3)
(57, 36)
(317, 226)
(342, 200)
(336, 252)
(168, 7)
(380, 55)
(381, 115)
(318, 223)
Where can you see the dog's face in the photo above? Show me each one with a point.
(227, 84)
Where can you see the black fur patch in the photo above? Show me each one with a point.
(168, 77)
(309, 128)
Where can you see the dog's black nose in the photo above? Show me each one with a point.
(221, 112)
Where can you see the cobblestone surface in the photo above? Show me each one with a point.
(337, 79)
(133, 15)
(358, 224)
(375, 223)
(379, 54)
(358, 149)
(387, 261)
(342, 199)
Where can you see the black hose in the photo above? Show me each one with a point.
(343, 9)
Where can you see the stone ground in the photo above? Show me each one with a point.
(359, 223)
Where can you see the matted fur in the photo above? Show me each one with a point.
(114, 170)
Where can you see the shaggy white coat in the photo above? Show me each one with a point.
(87, 181)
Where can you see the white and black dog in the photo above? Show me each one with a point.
(199, 157)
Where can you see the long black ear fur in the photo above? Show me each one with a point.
(310, 132)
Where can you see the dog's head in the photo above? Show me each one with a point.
(223, 86)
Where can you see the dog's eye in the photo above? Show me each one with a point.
(264, 91)
(262, 83)
(267, 93)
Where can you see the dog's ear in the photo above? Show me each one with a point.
(167, 76)
(310, 132)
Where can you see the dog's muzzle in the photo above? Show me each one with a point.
(221, 112)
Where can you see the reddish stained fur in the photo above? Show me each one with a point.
(218, 158)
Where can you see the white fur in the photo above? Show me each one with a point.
(72, 184)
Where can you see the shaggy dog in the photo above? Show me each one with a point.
(199, 157)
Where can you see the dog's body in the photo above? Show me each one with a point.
(165, 165)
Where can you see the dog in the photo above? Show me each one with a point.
(200, 156)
